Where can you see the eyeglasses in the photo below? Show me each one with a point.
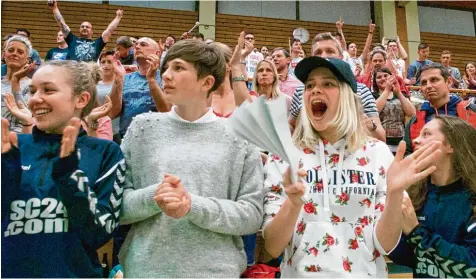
(249, 38)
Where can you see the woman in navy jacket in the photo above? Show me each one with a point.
(60, 196)
(439, 225)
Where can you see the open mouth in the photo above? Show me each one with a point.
(318, 108)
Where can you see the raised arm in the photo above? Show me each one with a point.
(112, 26)
(155, 91)
(117, 87)
(368, 42)
(59, 18)
(403, 52)
(237, 70)
(339, 25)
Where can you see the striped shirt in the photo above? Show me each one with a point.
(368, 101)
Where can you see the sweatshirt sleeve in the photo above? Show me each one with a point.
(93, 209)
(273, 186)
(11, 178)
(403, 254)
(455, 260)
(240, 217)
(138, 204)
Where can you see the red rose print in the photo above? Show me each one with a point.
(365, 147)
(307, 151)
(379, 206)
(328, 240)
(355, 178)
(310, 207)
(347, 264)
(325, 142)
(342, 199)
(382, 171)
(336, 219)
(353, 244)
(363, 161)
(276, 189)
(376, 254)
(313, 251)
(364, 221)
(365, 202)
(290, 261)
(358, 231)
(312, 268)
(275, 158)
(319, 186)
(335, 158)
(301, 227)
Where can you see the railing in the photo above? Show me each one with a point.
(462, 92)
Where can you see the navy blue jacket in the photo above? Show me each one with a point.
(444, 244)
(57, 212)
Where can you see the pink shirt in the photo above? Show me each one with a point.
(289, 85)
(104, 130)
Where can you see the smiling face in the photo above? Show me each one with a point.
(470, 69)
(381, 78)
(432, 132)
(181, 83)
(352, 49)
(321, 98)
(16, 54)
(52, 101)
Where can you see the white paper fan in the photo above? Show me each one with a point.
(265, 124)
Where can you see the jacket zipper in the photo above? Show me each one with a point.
(45, 168)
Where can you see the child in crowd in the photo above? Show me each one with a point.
(60, 201)
(189, 195)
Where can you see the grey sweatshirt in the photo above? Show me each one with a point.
(222, 173)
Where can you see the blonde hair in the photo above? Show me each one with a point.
(347, 121)
(275, 92)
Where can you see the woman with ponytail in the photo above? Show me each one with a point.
(439, 225)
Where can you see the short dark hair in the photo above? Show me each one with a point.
(423, 46)
(295, 40)
(249, 33)
(124, 41)
(446, 52)
(444, 72)
(336, 34)
(24, 30)
(171, 37)
(392, 41)
(106, 52)
(286, 53)
(207, 59)
(198, 35)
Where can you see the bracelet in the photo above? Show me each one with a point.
(371, 32)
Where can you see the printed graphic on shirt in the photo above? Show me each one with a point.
(59, 56)
(85, 50)
(36, 216)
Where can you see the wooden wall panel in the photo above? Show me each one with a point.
(39, 20)
(461, 47)
(273, 32)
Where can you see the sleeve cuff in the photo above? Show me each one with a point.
(65, 166)
(196, 209)
(417, 234)
(379, 247)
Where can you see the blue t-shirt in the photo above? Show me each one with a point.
(57, 54)
(136, 98)
(414, 70)
(81, 49)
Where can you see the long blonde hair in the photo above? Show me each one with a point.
(461, 136)
(275, 92)
(347, 121)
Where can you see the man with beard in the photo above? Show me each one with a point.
(138, 92)
(287, 81)
(83, 48)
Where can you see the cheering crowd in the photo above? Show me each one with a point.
(131, 143)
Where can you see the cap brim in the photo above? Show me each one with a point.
(305, 67)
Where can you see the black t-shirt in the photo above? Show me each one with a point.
(57, 54)
(81, 49)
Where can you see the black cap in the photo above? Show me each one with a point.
(339, 68)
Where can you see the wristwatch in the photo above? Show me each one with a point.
(238, 78)
(94, 125)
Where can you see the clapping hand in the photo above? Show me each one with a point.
(18, 110)
(236, 57)
(100, 111)
(23, 72)
(172, 197)
(404, 172)
(70, 135)
(294, 191)
(154, 62)
(9, 138)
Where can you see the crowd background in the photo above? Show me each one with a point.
(392, 19)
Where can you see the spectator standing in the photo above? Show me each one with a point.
(61, 51)
(414, 70)
(287, 82)
(455, 75)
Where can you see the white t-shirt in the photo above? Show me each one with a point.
(399, 65)
(252, 61)
(293, 64)
(354, 61)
